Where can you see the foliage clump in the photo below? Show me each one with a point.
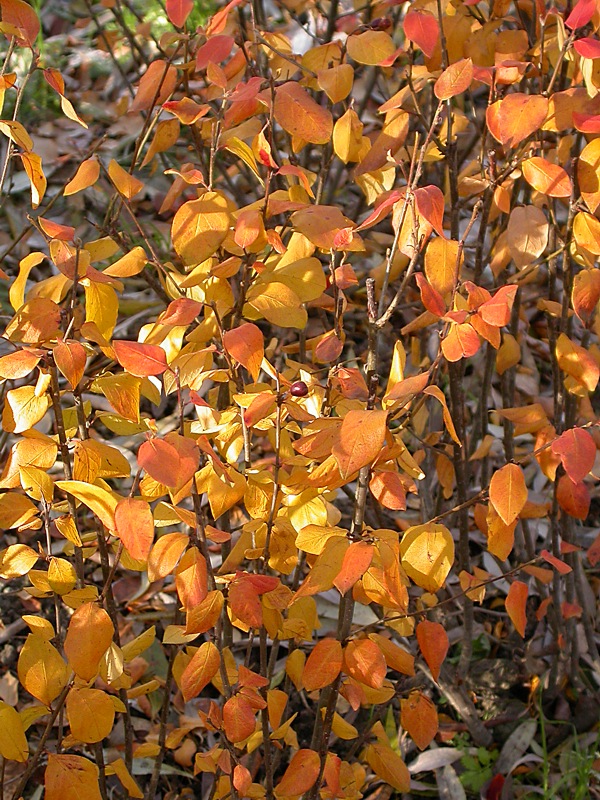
(298, 364)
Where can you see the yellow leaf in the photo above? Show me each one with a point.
(200, 227)
(125, 183)
(13, 743)
(61, 575)
(427, 553)
(16, 133)
(101, 502)
(388, 766)
(23, 409)
(278, 304)
(101, 307)
(42, 672)
(17, 559)
(336, 82)
(124, 776)
(370, 47)
(91, 714)
(33, 167)
(142, 642)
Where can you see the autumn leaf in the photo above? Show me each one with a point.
(140, 359)
(516, 601)
(360, 440)
(433, 642)
(508, 492)
(323, 665)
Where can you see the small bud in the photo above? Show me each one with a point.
(299, 389)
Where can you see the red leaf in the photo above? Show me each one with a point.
(574, 498)
(422, 29)
(178, 11)
(214, 51)
(140, 360)
(577, 451)
(587, 47)
(581, 14)
(430, 297)
(494, 790)
(433, 641)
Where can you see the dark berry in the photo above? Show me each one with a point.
(298, 389)
(381, 24)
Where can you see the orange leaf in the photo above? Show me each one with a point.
(508, 492)
(360, 440)
(245, 603)
(433, 641)
(191, 579)
(135, 527)
(200, 671)
(419, 717)
(140, 360)
(70, 358)
(454, 80)
(462, 341)
(516, 601)
(238, 719)
(497, 310)
(546, 177)
(165, 554)
(87, 175)
(516, 116)
(88, 637)
(300, 115)
(71, 777)
(388, 489)
(364, 661)
(323, 665)
(246, 345)
(357, 560)
(300, 775)
(156, 85)
(160, 460)
(180, 312)
(577, 451)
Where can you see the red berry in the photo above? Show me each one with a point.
(299, 389)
